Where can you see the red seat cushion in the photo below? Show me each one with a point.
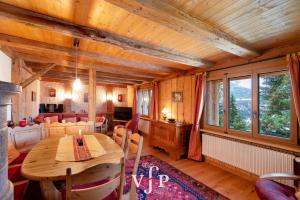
(19, 159)
(14, 174)
(271, 190)
(129, 164)
(19, 191)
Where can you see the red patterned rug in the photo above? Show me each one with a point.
(180, 185)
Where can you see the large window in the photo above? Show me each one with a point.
(251, 102)
(215, 103)
(144, 101)
(240, 104)
(274, 104)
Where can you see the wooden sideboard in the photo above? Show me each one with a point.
(172, 137)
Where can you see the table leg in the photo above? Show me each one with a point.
(49, 190)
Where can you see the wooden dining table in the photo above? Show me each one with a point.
(40, 164)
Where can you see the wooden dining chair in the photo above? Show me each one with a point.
(98, 182)
(120, 135)
(132, 158)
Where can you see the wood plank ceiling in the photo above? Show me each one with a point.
(135, 41)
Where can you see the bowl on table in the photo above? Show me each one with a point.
(171, 120)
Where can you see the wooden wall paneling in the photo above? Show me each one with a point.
(168, 97)
(181, 111)
(109, 97)
(187, 99)
(192, 97)
(180, 105)
(174, 104)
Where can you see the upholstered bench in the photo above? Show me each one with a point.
(15, 160)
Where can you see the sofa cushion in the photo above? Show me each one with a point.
(271, 190)
(14, 174)
(19, 159)
(59, 115)
(100, 119)
(19, 190)
(38, 119)
(84, 119)
(51, 119)
(70, 119)
(68, 115)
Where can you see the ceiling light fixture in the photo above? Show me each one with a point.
(77, 83)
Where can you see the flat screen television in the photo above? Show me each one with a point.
(123, 113)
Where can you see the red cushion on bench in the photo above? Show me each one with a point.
(19, 191)
(14, 174)
(19, 159)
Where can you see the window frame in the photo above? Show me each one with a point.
(253, 71)
(237, 76)
(212, 127)
(293, 128)
(142, 89)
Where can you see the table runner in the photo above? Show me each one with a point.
(66, 151)
(81, 152)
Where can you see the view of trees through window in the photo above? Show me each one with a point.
(234, 107)
(240, 104)
(274, 105)
(215, 103)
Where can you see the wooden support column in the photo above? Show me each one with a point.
(16, 98)
(109, 106)
(92, 94)
(68, 98)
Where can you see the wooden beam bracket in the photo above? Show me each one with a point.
(32, 78)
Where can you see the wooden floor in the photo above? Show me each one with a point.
(226, 183)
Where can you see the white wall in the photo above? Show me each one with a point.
(27, 107)
(77, 103)
(5, 74)
(60, 90)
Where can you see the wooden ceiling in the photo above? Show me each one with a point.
(137, 41)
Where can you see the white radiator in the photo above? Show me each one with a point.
(256, 160)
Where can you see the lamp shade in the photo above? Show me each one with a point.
(77, 84)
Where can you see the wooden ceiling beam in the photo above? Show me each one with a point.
(99, 67)
(81, 75)
(22, 43)
(53, 24)
(169, 16)
(37, 75)
(56, 69)
(273, 53)
(85, 79)
(84, 83)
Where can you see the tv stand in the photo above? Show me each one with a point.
(120, 122)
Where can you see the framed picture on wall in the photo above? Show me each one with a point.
(33, 96)
(52, 92)
(120, 98)
(177, 96)
(86, 97)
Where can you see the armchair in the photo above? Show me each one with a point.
(267, 189)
